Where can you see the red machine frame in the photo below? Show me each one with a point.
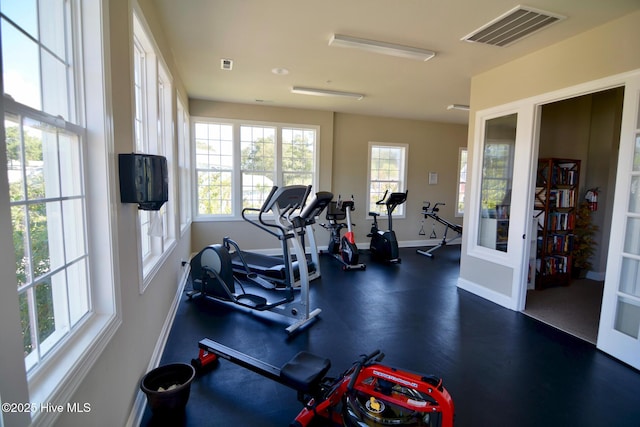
(368, 392)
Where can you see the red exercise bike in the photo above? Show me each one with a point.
(343, 248)
(366, 394)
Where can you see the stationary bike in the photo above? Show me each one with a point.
(384, 245)
(366, 394)
(343, 248)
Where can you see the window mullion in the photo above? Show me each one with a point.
(277, 154)
(236, 182)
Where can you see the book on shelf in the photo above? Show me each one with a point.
(556, 264)
(558, 221)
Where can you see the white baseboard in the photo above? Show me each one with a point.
(596, 275)
(364, 246)
(135, 416)
(486, 293)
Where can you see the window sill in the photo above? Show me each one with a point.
(153, 264)
(57, 379)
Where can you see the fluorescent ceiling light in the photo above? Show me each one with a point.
(458, 107)
(322, 92)
(381, 47)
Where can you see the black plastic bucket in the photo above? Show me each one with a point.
(167, 387)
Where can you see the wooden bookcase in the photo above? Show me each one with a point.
(556, 198)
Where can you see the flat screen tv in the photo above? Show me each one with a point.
(144, 180)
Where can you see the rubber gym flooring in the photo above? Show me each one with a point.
(502, 368)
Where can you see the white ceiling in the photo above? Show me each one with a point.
(260, 35)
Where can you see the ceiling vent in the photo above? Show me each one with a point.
(519, 22)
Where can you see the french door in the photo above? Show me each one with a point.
(619, 331)
(499, 231)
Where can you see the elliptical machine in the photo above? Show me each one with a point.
(343, 248)
(384, 245)
(212, 273)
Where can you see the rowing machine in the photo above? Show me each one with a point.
(368, 393)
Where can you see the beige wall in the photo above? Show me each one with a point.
(113, 382)
(433, 147)
(604, 51)
(344, 138)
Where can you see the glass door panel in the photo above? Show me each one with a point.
(497, 182)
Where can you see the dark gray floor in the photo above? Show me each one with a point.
(502, 368)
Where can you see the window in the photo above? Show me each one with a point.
(237, 163)
(58, 192)
(462, 181)
(214, 168)
(153, 135)
(49, 230)
(387, 171)
(257, 163)
(184, 165)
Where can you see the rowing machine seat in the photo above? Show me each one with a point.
(304, 370)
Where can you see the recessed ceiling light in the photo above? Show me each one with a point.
(280, 71)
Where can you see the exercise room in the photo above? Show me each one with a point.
(361, 213)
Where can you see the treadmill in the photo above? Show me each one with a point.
(293, 218)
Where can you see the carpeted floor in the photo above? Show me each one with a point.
(574, 309)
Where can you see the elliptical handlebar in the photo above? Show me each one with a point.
(283, 201)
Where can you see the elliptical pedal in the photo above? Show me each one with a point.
(255, 301)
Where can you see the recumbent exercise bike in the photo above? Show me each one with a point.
(367, 394)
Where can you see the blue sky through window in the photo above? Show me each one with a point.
(20, 57)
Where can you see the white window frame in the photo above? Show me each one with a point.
(184, 164)
(463, 159)
(399, 212)
(236, 184)
(62, 370)
(154, 135)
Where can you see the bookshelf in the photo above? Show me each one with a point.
(556, 198)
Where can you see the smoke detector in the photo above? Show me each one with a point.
(226, 64)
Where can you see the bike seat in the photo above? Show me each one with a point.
(374, 214)
(304, 370)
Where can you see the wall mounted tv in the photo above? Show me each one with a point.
(144, 180)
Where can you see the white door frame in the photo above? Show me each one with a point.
(610, 340)
(518, 226)
(529, 111)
